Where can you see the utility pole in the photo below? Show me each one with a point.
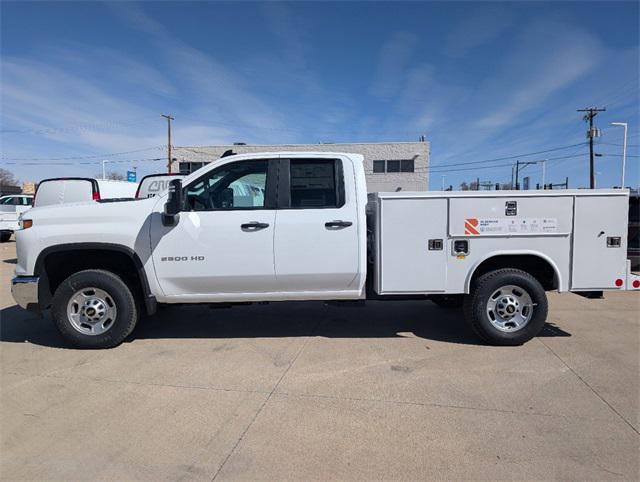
(169, 119)
(104, 171)
(517, 186)
(590, 113)
(443, 176)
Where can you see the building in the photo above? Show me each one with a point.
(389, 166)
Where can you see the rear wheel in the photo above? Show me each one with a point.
(506, 307)
(5, 236)
(94, 309)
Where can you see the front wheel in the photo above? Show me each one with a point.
(506, 307)
(5, 236)
(94, 309)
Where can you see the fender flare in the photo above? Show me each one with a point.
(518, 252)
(44, 291)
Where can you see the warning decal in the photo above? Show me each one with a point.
(475, 226)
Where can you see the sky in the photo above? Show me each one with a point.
(486, 83)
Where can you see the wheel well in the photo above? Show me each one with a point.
(59, 265)
(536, 266)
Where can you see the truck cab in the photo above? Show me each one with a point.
(266, 229)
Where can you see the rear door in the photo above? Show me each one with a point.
(316, 239)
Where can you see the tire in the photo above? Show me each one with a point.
(94, 309)
(495, 308)
(5, 236)
(448, 301)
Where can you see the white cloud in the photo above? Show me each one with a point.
(547, 58)
(393, 61)
(478, 28)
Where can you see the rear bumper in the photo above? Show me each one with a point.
(24, 290)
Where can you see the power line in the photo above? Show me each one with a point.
(77, 127)
(45, 163)
(514, 156)
(440, 169)
(93, 156)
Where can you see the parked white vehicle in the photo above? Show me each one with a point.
(154, 184)
(64, 190)
(298, 226)
(11, 207)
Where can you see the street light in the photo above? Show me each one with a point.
(624, 150)
(104, 173)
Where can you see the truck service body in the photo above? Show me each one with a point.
(300, 226)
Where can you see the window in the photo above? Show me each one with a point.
(406, 165)
(238, 185)
(393, 166)
(7, 201)
(313, 183)
(187, 168)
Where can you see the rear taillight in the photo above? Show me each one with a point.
(96, 196)
(619, 282)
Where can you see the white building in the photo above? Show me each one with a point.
(389, 166)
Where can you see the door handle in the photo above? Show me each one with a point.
(337, 224)
(253, 226)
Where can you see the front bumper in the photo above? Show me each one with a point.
(24, 290)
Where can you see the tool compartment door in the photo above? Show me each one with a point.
(407, 265)
(597, 265)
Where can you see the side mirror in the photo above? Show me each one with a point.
(227, 198)
(174, 204)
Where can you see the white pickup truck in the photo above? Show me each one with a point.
(299, 226)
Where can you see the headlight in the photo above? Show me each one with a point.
(24, 223)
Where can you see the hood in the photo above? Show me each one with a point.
(93, 210)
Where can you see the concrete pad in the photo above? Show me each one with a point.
(79, 429)
(309, 438)
(411, 368)
(604, 348)
(191, 346)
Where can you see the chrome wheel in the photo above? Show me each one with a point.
(509, 308)
(91, 311)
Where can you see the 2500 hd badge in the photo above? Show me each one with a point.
(182, 258)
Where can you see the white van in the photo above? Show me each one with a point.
(63, 190)
(155, 184)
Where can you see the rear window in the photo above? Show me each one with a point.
(59, 191)
(315, 183)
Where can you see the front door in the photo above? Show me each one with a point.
(316, 239)
(222, 244)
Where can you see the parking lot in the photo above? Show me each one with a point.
(395, 390)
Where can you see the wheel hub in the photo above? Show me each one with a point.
(509, 308)
(91, 311)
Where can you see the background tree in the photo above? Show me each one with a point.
(7, 178)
